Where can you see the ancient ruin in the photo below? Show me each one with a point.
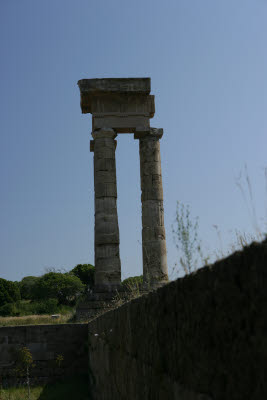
(119, 106)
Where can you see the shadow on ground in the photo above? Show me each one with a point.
(74, 388)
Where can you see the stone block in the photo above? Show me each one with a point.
(106, 229)
(156, 180)
(150, 168)
(106, 251)
(105, 164)
(115, 85)
(104, 141)
(106, 223)
(153, 233)
(148, 146)
(153, 183)
(108, 264)
(152, 213)
(107, 278)
(160, 232)
(107, 238)
(121, 124)
(104, 152)
(105, 177)
(106, 206)
(105, 190)
(154, 251)
(123, 104)
(146, 182)
(153, 194)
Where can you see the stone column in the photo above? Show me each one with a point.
(107, 255)
(155, 269)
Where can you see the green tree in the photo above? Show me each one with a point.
(86, 273)
(65, 288)
(9, 292)
(27, 287)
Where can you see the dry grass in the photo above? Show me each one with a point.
(34, 320)
(20, 393)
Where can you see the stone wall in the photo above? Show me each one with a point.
(201, 337)
(45, 342)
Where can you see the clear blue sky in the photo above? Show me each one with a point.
(207, 61)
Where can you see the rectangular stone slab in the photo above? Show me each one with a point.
(92, 88)
(111, 85)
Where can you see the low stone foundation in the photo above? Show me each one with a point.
(98, 303)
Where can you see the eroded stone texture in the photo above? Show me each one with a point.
(202, 337)
(123, 104)
(45, 343)
(107, 256)
(153, 231)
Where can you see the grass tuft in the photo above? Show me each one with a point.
(34, 320)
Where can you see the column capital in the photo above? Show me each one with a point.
(155, 133)
(104, 133)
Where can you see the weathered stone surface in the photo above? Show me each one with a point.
(106, 206)
(122, 104)
(103, 238)
(153, 194)
(202, 337)
(122, 124)
(153, 232)
(104, 176)
(117, 85)
(106, 224)
(106, 189)
(119, 106)
(107, 266)
(106, 251)
(93, 90)
(150, 167)
(111, 262)
(101, 152)
(105, 164)
(155, 262)
(45, 342)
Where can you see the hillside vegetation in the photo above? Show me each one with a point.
(54, 292)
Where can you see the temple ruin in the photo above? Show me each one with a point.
(119, 106)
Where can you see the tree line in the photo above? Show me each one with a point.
(47, 293)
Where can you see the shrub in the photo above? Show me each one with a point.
(47, 306)
(133, 282)
(9, 292)
(27, 287)
(86, 273)
(65, 288)
(9, 309)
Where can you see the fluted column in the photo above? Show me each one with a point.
(155, 270)
(107, 255)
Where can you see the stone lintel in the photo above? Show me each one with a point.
(114, 85)
(122, 124)
(116, 95)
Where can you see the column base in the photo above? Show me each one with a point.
(99, 301)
